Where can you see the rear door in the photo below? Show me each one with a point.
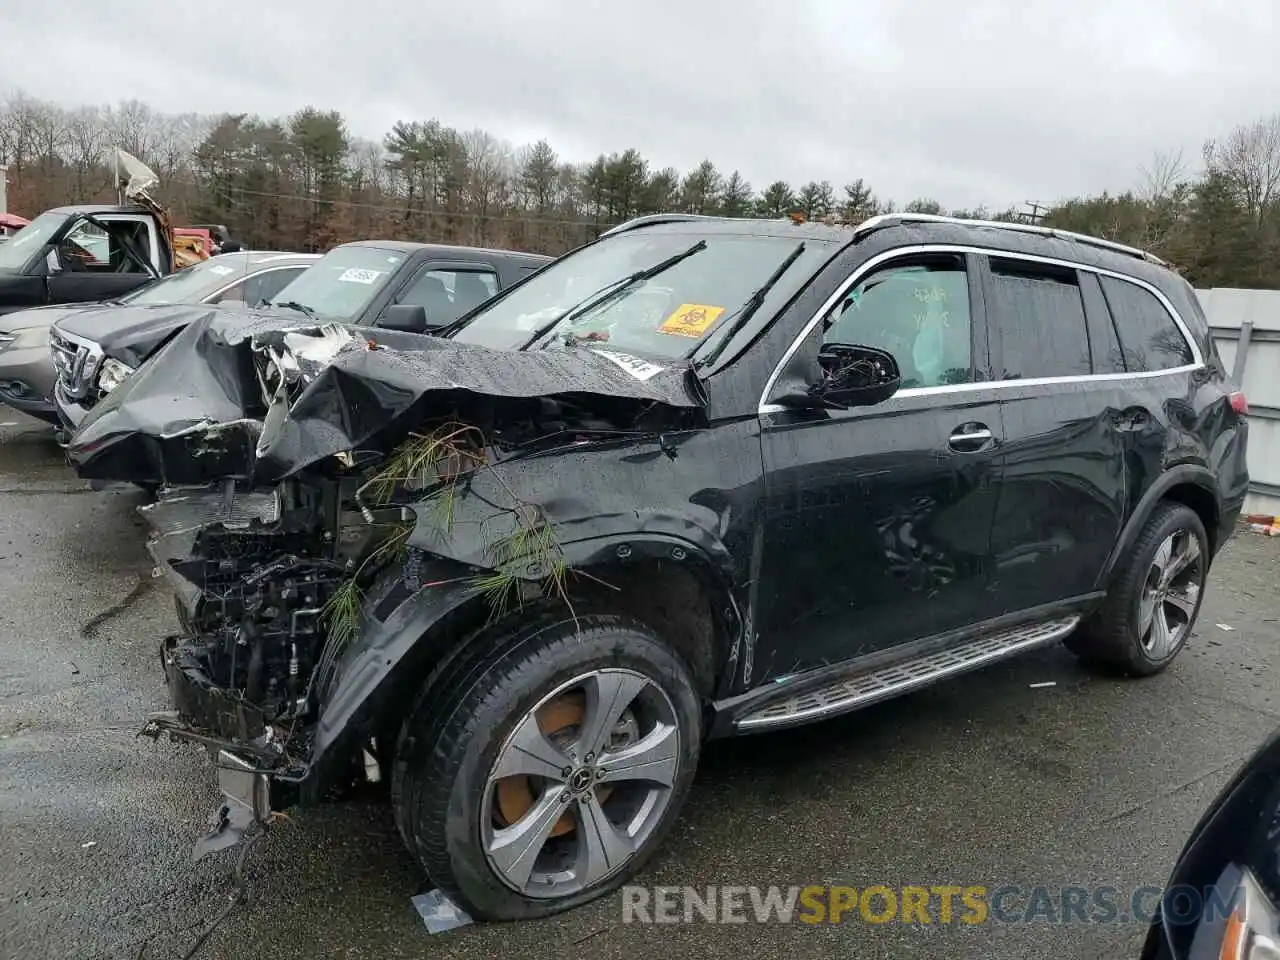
(1063, 473)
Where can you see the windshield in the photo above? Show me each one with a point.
(664, 315)
(17, 250)
(188, 285)
(342, 283)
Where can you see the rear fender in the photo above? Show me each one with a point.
(1193, 474)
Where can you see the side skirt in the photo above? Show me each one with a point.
(853, 684)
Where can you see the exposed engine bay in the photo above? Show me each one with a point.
(309, 477)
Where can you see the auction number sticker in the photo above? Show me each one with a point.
(357, 275)
(638, 367)
(222, 270)
(691, 320)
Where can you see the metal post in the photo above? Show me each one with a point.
(1242, 353)
(4, 193)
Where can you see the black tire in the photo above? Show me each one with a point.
(470, 707)
(1109, 641)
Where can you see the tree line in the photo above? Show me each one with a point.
(305, 182)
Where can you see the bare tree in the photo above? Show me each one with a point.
(1162, 176)
(1249, 159)
(86, 138)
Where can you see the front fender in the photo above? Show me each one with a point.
(416, 631)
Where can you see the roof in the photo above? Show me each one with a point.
(740, 226)
(449, 251)
(1011, 234)
(92, 208)
(243, 259)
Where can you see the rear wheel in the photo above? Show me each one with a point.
(542, 770)
(1153, 599)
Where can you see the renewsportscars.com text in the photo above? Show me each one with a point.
(938, 904)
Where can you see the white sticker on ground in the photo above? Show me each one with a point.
(638, 367)
(356, 275)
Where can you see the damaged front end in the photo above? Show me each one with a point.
(329, 499)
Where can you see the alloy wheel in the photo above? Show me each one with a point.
(1170, 595)
(581, 782)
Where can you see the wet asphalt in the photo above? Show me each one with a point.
(984, 780)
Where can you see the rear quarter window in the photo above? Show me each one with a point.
(1149, 338)
(1040, 320)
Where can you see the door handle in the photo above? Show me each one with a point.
(971, 437)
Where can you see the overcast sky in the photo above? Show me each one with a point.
(991, 102)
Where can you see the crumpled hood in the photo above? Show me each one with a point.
(132, 334)
(212, 405)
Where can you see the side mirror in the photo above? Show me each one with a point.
(856, 376)
(411, 318)
(52, 263)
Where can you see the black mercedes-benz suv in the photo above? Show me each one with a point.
(698, 478)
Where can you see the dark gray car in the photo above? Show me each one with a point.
(27, 372)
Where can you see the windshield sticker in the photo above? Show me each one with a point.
(639, 368)
(691, 320)
(221, 270)
(358, 275)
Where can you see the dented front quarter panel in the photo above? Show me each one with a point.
(688, 498)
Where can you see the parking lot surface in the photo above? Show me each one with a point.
(986, 780)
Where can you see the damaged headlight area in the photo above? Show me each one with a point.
(113, 373)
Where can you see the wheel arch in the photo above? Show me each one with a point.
(1189, 484)
(669, 584)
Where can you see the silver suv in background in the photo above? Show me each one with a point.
(27, 366)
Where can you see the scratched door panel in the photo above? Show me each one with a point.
(877, 528)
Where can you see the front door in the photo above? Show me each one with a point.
(878, 519)
(94, 264)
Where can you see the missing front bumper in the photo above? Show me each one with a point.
(246, 803)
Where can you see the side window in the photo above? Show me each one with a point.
(1039, 315)
(88, 247)
(264, 286)
(233, 293)
(1149, 337)
(1103, 342)
(917, 311)
(448, 294)
(85, 247)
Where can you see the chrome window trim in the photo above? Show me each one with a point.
(249, 276)
(764, 407)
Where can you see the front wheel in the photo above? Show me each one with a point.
(541, 769)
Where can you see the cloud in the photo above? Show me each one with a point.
(986, 102)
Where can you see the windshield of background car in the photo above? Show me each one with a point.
(188, 285)
(342, 283)
(667, 315)
(17, 250)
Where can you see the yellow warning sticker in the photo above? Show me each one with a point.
(691, 320)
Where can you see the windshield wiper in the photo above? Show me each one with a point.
(611, 292)
(295, 305)
(750, 307)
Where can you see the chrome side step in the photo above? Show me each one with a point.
(860, 689)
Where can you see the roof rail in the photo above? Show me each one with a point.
(885, 219)
(652, 218)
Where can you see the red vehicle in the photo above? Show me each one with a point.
(11, 223)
